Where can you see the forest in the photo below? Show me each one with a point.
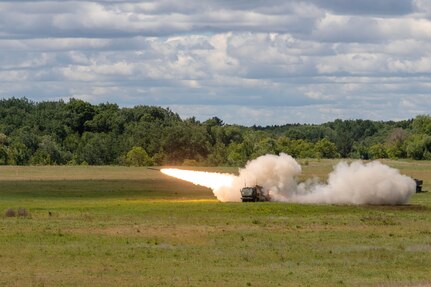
(79, 133)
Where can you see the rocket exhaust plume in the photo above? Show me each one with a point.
(355, 183)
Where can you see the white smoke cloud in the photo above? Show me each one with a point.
(355, 183)
(277, 174)
(359, 183)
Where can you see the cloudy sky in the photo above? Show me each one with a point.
(245, 61)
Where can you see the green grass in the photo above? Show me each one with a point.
(117, 226)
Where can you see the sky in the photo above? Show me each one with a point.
(263, 62)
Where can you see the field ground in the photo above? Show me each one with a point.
(119, 226)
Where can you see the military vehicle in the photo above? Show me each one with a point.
(254, 194)
(419, 184)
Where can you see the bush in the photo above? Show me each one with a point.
(377, 151)
(10, 212)
(22, 212)
(418, 146)
(137, 156)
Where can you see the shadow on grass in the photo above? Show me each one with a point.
(92, 189)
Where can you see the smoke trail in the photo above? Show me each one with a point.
(355, 183)
(359, 183)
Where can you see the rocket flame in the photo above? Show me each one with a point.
(211, 180)
(224, 185)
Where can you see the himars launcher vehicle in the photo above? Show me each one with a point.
(419, 183)
(254, 194)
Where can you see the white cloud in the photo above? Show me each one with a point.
(279, 61)
(423, 7)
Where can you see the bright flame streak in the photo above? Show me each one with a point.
(211, 180)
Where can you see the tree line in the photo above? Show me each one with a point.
(79, 133)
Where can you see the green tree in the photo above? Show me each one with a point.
(19, 154)
(419, 146)
(265, 146)
(186, 141)
(78, 113)
(395, 143)
(215, 130)
(324, 148)
(305, 149)
(344, 137)
(15, 114)
(137, 156)
(422, 124)
(284, 144)
(48, 153)
(296, 148)
(50, 118)
(218, 155)
(237, 154)
(97, 149)
(377, 151)
(232, 134)
(107, 118)
(3, 149)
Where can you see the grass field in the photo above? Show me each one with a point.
(119, 226)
